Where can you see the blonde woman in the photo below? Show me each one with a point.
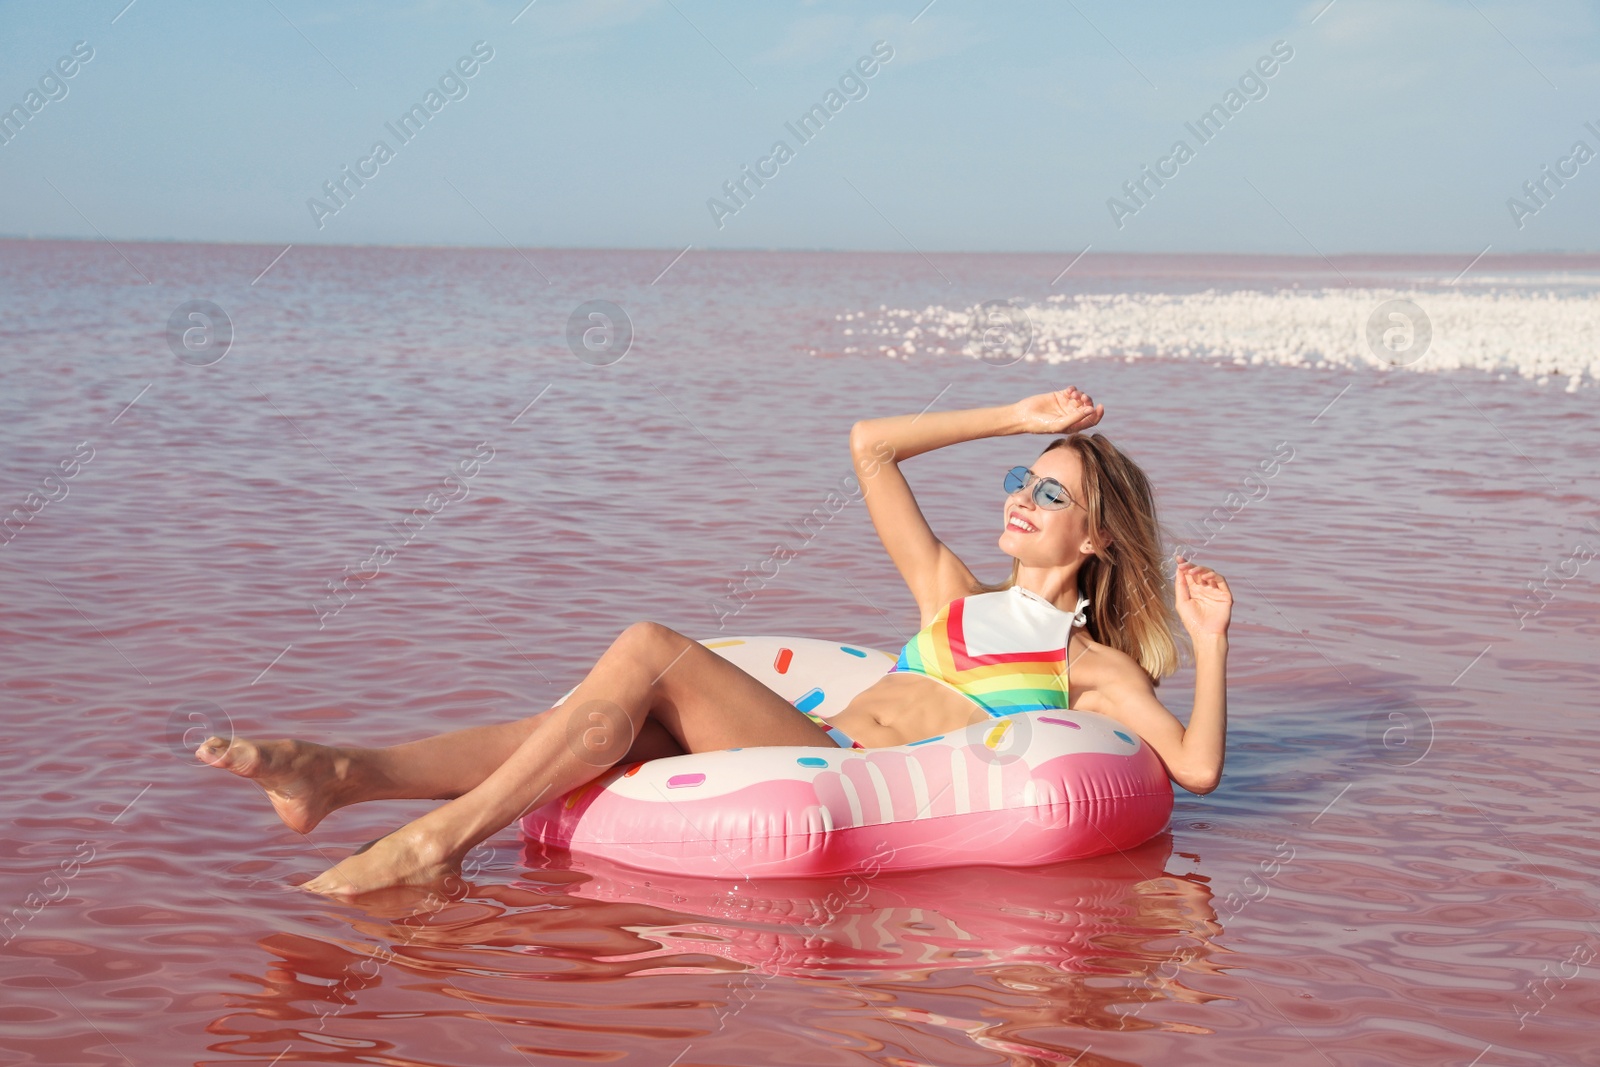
(1082, 622)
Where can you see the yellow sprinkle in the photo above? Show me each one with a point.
(577, 794)
(996, 734)
(724, 644)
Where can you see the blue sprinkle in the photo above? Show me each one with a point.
(1124, 736)
(809, 700)
(925, 740)
(811, 761)
(735, 750)
(854, 651)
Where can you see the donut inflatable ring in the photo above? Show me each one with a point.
(1018, 791)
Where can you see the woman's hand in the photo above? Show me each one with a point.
(1063, 411)
(1204, 603)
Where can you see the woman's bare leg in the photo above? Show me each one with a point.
(305, 781)
(703, 701)
(445, 766)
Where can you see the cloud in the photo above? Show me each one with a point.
(822, 38)
(1382, 46)
(814, 39)
(581, 16)
(933, 36)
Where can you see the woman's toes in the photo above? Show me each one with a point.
(239, 756)
(325, 884)
(213, 751)
(411, 856)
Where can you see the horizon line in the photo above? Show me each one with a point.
(1085, 253)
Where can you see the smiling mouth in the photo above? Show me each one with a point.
(1021, 525)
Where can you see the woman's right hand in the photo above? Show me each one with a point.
(1063, 411)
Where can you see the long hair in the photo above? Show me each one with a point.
(1125, 580)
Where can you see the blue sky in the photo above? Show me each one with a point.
(1396, 125)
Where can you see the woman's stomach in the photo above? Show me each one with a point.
(902, 707)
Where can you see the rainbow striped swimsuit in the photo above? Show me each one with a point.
(1005, 651)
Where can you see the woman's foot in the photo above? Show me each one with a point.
(305, 781)
(413, 855)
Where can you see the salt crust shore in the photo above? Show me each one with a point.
(1544, 336)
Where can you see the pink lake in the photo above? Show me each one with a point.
(1398, 868)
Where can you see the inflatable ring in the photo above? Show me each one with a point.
(1019, 791)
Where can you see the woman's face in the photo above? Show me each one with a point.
(1058, 536)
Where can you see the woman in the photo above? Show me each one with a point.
(1081, 520)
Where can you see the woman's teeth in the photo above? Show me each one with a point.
(1019, 524)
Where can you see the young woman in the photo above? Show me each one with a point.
(1082, 622)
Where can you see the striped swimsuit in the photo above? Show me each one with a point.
(1004, 651)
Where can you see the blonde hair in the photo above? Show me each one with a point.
(1125, 580)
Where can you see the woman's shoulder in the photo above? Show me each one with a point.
(1099, 666)
(1106, 679)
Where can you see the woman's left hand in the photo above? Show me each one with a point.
(1204, 603)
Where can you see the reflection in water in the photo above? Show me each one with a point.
(1080, 945)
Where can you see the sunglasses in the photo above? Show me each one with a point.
(1047, 492)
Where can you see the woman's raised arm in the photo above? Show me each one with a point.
(927, 564)
(878, 446)
(899, 437)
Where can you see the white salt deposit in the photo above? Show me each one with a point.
(1538, 335)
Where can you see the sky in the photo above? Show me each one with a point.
(1384, 125)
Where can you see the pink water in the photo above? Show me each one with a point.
(1399, 867)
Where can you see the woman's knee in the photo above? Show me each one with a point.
(648, 645)
(643, 636)
(644, 629)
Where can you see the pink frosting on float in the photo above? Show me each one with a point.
(1080, 805)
